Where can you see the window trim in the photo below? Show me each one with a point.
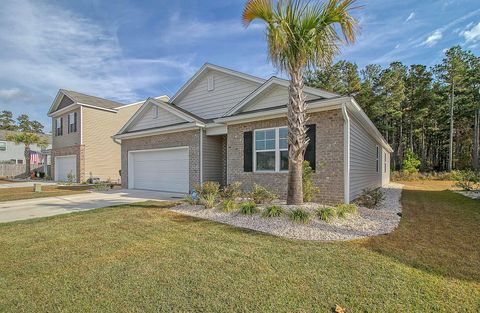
(58, 126)
(72, 127)
(1, 141)
(384, 162)
(377, 163)
(277, 150)
(156, 112)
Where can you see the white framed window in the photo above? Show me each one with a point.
(270, 150)
(3, 146)
(210, 83)
(72, 122)
(58, 126)
(384, 162)
(377, 160)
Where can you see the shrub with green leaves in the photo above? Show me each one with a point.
(345, 209)
(208, 188)
(260, 194)
(327, 214)
(370, 198)
(299, 215)
(272, 211)
(411, 163)
(228, 205)
(232, 191)
(467, 180)
(309, 188)
(248, 208)
(190, 200)
(208, 200)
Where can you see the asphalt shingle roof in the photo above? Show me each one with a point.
(92, 100)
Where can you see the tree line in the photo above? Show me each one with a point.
(22, 123)
(432, 112)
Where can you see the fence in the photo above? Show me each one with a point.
(16, 170)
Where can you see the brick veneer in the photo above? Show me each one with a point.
(188, 138)
(79, 151)
(329, 157)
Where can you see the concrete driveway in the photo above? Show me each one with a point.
(19, 184)
(27, 209)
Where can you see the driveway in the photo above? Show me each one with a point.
(33, 208)
(20, 184)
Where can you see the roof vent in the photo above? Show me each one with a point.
(210, 83)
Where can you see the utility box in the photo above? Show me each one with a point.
(37, 187)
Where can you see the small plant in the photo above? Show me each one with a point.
(467, 180)
(327, 214)
(228, 205)
(208, 188)
(101, 186)
(309, 188)
(272, 211)
(260, 194)
(370, 198)
(191, 200)
(299, 216)
(232, 191)
(70, 178)
(248, 208)
(411, 163)
(208, 200)
(345, 209)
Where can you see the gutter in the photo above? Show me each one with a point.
(346, 154)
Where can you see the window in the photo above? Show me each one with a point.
(210, 83)
(377, 161)
(384, 162)
(72, 122)
(3, 146)
(271, 150)
(58, 126)
(155, 112)
(19, 161)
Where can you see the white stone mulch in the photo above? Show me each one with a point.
(368, 222)
(470, 194)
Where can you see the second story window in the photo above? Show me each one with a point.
(3, 146)
(58, 127)
(72, 122)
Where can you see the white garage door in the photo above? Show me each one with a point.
(163, 169)
(65, 165)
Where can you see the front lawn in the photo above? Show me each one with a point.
(22, 193)
(144, 258)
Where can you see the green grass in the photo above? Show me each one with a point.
(23, 193)
(144, 258)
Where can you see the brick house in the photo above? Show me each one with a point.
(227, 126)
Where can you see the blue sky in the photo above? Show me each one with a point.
(129, 50)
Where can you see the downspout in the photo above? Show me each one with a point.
(346, 154)
(201, 155)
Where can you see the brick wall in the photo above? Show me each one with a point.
(79, 151)
(188, 138)
(329, 157)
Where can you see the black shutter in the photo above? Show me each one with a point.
(61, 126)
(68, 123)
(75, 122)
(310, 151)
(247, 151)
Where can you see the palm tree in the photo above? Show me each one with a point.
(301, 35)
(27, 139)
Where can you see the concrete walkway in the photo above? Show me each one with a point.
(20, 184)
(49, 206)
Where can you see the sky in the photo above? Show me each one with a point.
(127, 50)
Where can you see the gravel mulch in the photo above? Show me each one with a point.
(470, 194)
(368, 222)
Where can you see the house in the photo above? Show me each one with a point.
(12, 153)
(82, 129)
(226, 126)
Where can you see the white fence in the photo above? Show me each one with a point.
(15, 170)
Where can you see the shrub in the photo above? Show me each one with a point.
(208, 188)
(260, 194)
(299, 216)
(411, 163)
(232, 191)
(327, 214)
(101, 186)
(272, 211)
(309, 188)
(370, 198)
(344, 209)
(248, 208)
(208, 200)
(228, 205)
(190, 200)
(467, 180)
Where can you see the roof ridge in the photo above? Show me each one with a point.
(97, 97)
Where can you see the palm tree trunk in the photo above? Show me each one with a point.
(27, 160)
(297, 136)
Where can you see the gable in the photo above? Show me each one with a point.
(275, 96)
(214, 93)
(148, 120)
(65, 102)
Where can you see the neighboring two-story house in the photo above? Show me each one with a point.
(13, 153)
(82, 128)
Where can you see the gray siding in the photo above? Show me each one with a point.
(228, 91)
(66, 101)
(363, 155)
(275, 96)
(148, 120)
(213, 158)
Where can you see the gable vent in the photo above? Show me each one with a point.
(210, 83)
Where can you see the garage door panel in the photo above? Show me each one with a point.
(166, 170)
(65, 165)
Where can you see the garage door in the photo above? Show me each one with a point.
(163, 169)
(65, 165)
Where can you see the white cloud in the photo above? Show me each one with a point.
(45, 47)
(472, 34)
(433, 38)
(411, 16)
(10, 94)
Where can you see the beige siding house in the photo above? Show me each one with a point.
(226, 126)
(82, 128)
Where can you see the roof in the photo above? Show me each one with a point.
(5, 133)
(92, 100)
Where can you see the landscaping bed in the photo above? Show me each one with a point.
(364, 223)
